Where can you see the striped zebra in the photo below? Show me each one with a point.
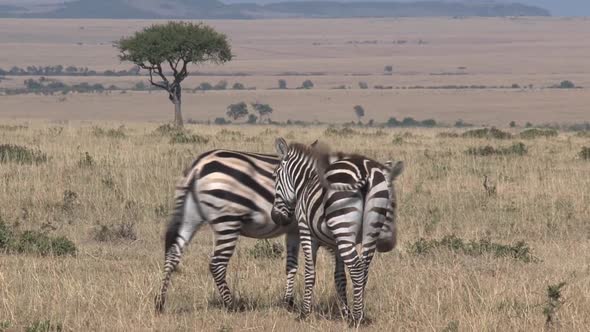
(233, 192)
(338, 201)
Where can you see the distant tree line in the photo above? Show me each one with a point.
(60, 70)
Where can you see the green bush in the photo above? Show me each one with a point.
(515, 149)
(33, 242)
(487, 133)
(44, 326)
(585, 153)
(518, 251)
(21, 155)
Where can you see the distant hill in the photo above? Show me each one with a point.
(205, 9)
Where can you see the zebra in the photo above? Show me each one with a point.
(232, 191)
(357, 207)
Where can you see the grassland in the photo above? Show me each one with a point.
(109, 188)
(331, 53)
(542, 198)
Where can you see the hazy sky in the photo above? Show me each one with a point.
(557, 7)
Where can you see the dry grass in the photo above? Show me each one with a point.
(542, 198)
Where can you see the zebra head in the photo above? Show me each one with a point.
(284, 203)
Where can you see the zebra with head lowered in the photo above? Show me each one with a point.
(338, 201)
(233, 192)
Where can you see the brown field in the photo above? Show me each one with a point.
(543, 197)
(494, 52)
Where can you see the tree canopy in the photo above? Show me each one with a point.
(174, 45)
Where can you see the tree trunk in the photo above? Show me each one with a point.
(177, 108)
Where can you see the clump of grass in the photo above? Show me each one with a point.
(111, 132)
(343, 132)
(536, 133)
(122, 231)
(166, 129)
(12, 127)
(487, 133)
(447, 134)
(266, 249)
(4, 325)
(230, 135)
(519, 251)
(33, 242)
(585, 153)
(554, 302)
(585, 133)
(44, 326)
(183, 137)
(518, 149)
(21, 155)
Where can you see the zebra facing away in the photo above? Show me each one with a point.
(233, 192)
(339, 201)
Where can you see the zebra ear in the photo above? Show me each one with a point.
(397, 169)
(281, 146)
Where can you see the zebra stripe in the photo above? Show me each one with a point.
(233, 192)
(337, 219)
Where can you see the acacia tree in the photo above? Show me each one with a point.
(264, 110)
(237, 111)
(172, 47)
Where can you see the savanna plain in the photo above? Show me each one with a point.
(100, 169)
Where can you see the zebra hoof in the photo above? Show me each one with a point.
(289, 303)
(159, 303)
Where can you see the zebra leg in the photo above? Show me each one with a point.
(186, 220)
(356, 269)
(310, 249)
(340, 281)
(291, 268)
(226, 238)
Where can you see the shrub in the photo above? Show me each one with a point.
(512, 124)
(44, 326)
(221, 85)
(205, 86)
(282, 84)
(534, 133)
(33, 242)
(487, 133)
(428, 123)
(221, 121)
(566, 85)
(183, 137)
(21, 155)
(344, 132)
(266, 249)
(238, 86)
(462, 124)
(363, 85)
(388, 69)
(585, 153)
(518, 251)
(516, 149)
(307, 84)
